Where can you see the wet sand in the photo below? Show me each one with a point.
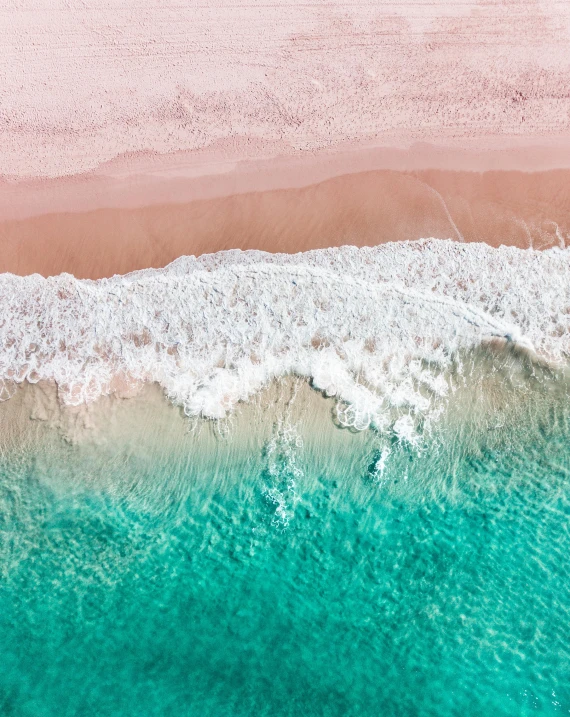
(93, 237)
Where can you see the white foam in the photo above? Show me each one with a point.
(375, 327)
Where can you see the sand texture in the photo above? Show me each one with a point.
(131, 134)
(82, 83)
(523, 209)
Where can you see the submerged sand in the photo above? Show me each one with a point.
(505, 395)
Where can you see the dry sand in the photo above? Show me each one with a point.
(84, 82)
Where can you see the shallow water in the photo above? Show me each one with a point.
(299, 571)
(376, 327)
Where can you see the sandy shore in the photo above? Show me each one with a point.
(131, 135)
(146, 212)
(81, 84)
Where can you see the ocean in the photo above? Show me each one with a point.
(335, 487)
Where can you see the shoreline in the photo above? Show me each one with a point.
(374, 327)
(146, 211)
(136, 180)
(145, 422)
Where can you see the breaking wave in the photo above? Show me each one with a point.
(378, 328)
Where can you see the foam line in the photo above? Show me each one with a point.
(376, 327)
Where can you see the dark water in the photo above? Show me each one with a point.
(440, 588)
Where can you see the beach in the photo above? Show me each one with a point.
(105, 224)
(282, 128)
(253, 80)
(284, 358)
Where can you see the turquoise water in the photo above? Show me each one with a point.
(438, 587)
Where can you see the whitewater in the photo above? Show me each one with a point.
(379, 328)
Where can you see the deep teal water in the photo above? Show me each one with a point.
(442, 588)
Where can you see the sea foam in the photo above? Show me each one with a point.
(375, 327)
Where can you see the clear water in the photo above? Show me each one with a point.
(438, 587)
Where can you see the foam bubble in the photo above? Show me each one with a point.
(374, 327)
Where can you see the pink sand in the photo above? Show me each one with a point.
(82, 83)
(133, 132)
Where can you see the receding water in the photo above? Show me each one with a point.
(402, 581)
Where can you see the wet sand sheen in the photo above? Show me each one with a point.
(523, 209)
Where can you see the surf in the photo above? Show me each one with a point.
(377, 328)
